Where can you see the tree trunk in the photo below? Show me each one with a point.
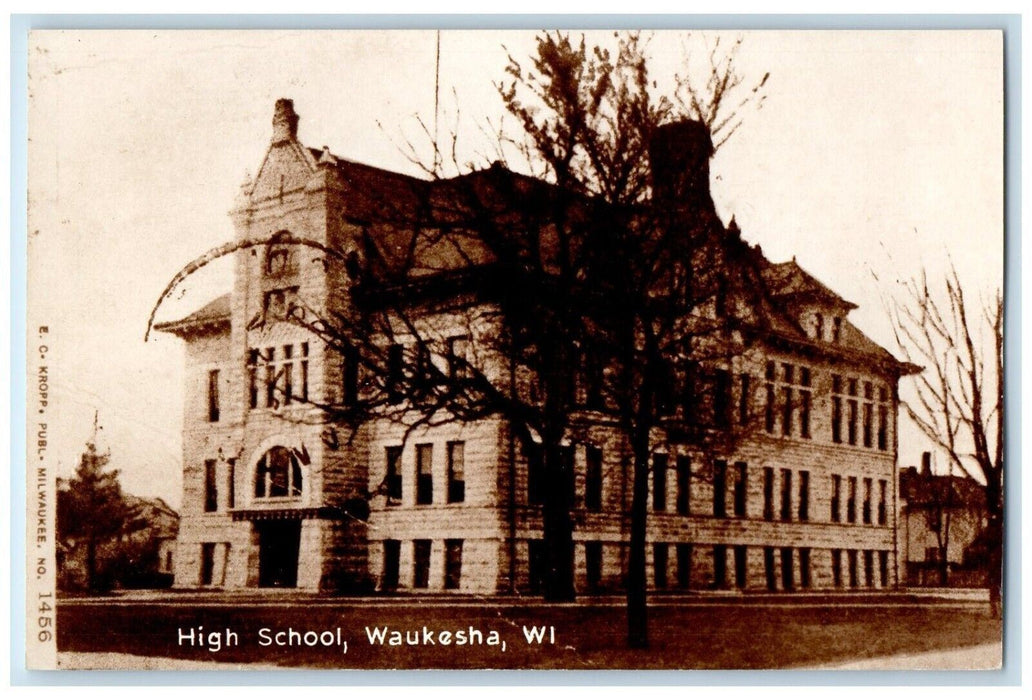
(637, 607)
(558, 526)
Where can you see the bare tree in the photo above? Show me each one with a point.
(958, 399)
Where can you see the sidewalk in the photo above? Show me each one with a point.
(978, 658)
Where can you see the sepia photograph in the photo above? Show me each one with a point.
(527, 350)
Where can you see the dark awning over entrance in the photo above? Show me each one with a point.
(323, 513)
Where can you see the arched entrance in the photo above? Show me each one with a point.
(278, 479)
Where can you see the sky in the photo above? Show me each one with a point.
(875, 155)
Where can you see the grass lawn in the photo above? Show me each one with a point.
(714, 636)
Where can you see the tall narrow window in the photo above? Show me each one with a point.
(684, 565)
(804, 567)
(883, 566)
(744, 399)
(288, 374)
(391, 564)
(659, 469)
(395, 366)
(303, 394)
(819, 327)
(424, 474)
(270, 378)
(684, 485)
(836, 408)
(836, 567)
(851, 501)
(452, 564)
(836, 329)
(741, 571)
(535, 475)
(211, 489)
(804, 496)
(593, 478)
(836, 498)
(787, 408)
(213, 396)
(851, 412)
(804, 402)
(719, 566)
(393, 474)
(867, 435)
(231, 482)
(458, 357)
(659, 561)
(207, 563)
(883, 515)
(252, 376)
(854, 579)
(768, 416)
(867, 502)
(719, 489)
(769, 568)
(787, 569)
(741, 489)
(883, 431)
(456, 472)
(869, 568)
(722, 398)
(421, 563)
(786, 494)
(768, 493)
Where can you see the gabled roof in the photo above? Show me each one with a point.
(788, 280)
(212, 316)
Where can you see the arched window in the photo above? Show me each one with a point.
(278, 474)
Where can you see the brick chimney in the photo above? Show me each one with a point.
(284, 121)
(679, 154)
(926, 463)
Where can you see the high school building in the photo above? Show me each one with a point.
(275, 495)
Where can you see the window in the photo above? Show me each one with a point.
(231, 482)
(593, 478)
(279, 304)
(787, 408)
(270, 378)
(819, 326)
(349, 375)
(804, 496)
(836, 329)
(836, 567)
(786, 494)
(253, 357)
(395, 367)
(456, 472)
(659, 562)
(593, 565)
(804, 567)
(787, 573)
(211, 490)
(741, 489)
(421, 563)
(768, 493)
(851, 501)
(883, 515)
(719, 489)
(804, 402)
(207, 563)
(277, 262)
(719, 566)
(458, 357)
(741, 561)
(769, 568)
(213, 396)
(744, 400)
(452, 564)
(424, 474)
(659, 469)
(278, 474)
(869, 568)
(768, 417)
(684, 485)
(391, 564)
(684, 565)
(836, 408)
(867, 419)
(883, 566)
(867, 502)
(278, 376)
(851, 412)
(303, 394)
(721, 398)
(394, 482)
(854, 581)
(836, 498)
(883, 418)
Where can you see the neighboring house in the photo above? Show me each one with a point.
(941, 521)
(807, 500)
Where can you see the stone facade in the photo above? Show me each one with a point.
(273, 498)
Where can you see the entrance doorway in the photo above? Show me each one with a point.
(278, 544)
